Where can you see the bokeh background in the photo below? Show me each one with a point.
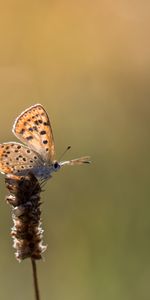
(88, 64)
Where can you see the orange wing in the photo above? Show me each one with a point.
(33, 128)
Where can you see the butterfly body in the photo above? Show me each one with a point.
(33, 128)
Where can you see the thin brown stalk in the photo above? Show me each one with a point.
(35, 279)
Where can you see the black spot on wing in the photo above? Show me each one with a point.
(36, 122)
(43, 132)
(45, 142)
(47, 123)
(28, 138)
(22, 131)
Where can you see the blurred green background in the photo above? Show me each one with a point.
(88, 64)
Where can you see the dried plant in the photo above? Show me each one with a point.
(27, 234)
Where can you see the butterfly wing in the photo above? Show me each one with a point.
(18, 159)
(33, 128)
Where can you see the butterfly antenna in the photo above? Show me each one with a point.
(69, 147)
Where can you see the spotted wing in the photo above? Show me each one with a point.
(18, 159)
(33, 128)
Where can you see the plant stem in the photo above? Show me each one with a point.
(35, 279)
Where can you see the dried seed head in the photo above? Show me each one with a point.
(24, 197)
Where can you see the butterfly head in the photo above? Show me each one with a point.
(55, 166)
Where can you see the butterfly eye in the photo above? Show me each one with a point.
(56, 166)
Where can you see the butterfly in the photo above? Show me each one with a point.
(37, 154)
